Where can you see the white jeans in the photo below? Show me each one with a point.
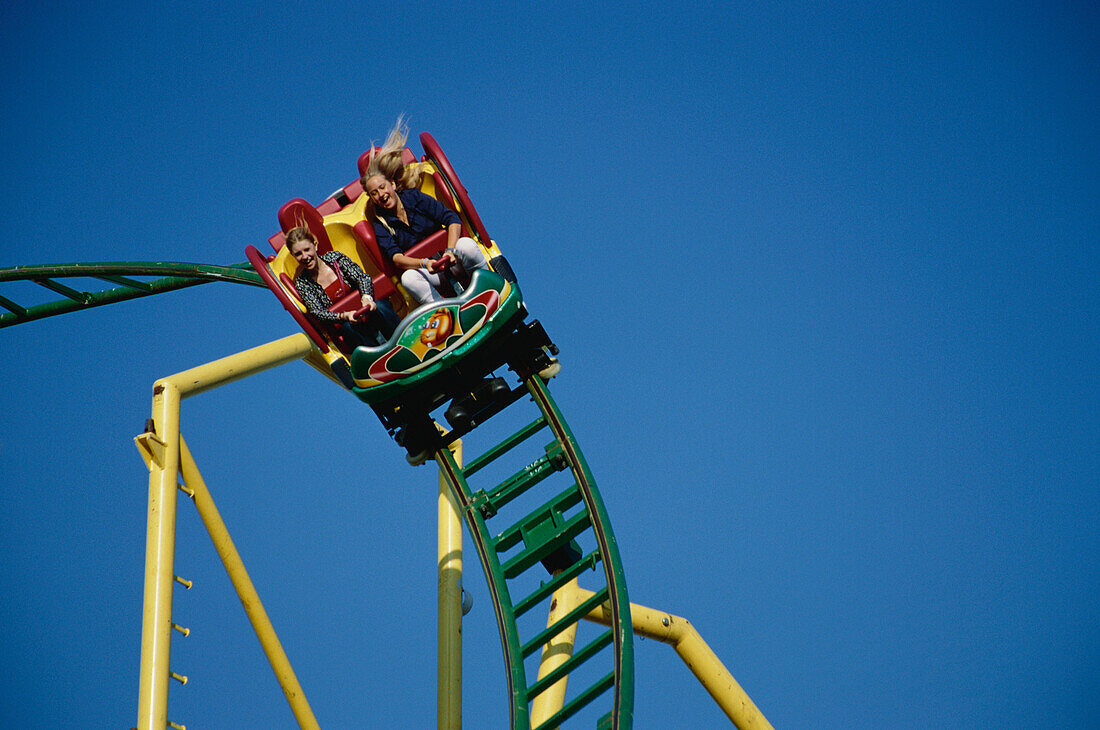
(423, 285)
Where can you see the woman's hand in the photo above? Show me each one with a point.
(446, 261)
(368, 303)
(403, 262)
(347, 316)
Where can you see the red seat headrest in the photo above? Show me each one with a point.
(298, 212)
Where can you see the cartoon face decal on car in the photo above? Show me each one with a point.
(438, 328)
(432, 334)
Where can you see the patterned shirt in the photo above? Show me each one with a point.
(313, 294)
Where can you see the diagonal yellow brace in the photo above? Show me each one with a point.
(678, 633)
(556, 653)
(246, 591)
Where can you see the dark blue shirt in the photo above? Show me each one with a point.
(426, 216)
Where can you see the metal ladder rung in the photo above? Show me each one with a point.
(590, 650)
(558, 504)
(77, 296)
(586, 563)
(13, 307)
(505, 446)
(127, 282)
(573, 527)
(542, 637)
(529, 476)
(579, 702)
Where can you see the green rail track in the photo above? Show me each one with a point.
(172, 276)
(559, 535)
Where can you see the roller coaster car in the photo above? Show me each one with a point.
(440, 351)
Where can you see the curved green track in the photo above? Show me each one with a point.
(532, 536)
(171, 276)
(558, 535)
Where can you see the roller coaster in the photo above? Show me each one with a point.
(539, 525)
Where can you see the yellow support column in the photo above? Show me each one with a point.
(161, 450)
(555, 653)
(160, 554)
(449, 676)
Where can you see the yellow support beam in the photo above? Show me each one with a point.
(700, 659)
(160, 557)
(449, 636)
(160, 448)
(555, 653)
(246, 591)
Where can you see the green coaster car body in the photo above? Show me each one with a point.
(434, 337)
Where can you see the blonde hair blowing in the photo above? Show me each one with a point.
(386, 160)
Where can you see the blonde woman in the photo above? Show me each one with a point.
(324, 278)
(403, 217)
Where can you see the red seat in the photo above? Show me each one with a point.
(276, 270)
(277, 241)
(428, 247)
(299, 212)
(263, 265)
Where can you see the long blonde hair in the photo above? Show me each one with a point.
(386, 160)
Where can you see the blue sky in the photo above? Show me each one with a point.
(824, 282)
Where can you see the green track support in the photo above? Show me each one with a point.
(601, 668)
(173, 276)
